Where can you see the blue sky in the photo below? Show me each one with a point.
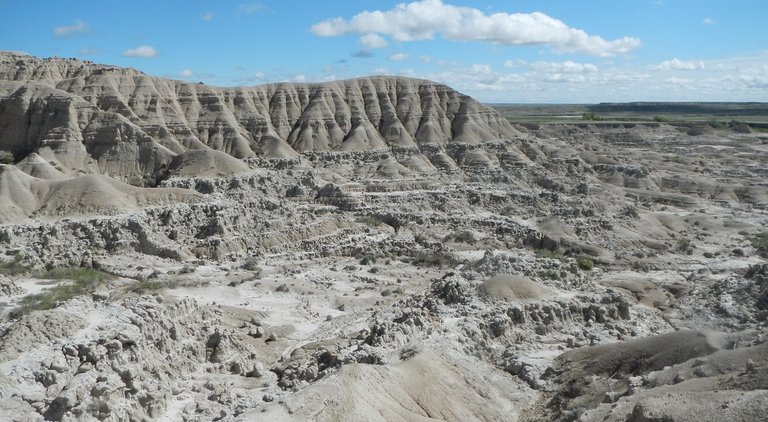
(496, 51)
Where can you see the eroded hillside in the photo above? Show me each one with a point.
(402, 253)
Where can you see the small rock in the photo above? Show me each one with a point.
(85, 367)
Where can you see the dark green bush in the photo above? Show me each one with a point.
(461, 237)
(6, 157)
(585, 264)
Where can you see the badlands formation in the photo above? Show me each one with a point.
(379, 249)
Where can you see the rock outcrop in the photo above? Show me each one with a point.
(130, 125)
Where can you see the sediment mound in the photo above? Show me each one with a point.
(205, 163)
(22, 195)
(515, 288)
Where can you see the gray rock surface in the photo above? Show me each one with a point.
(375, 249)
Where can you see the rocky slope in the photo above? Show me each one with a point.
(612, 272)
(130, 125)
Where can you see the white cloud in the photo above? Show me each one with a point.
(563, 67)
(679, 82)
(479, 77)
(398, 57)
(755, 81)
(708, 21)
(145, 51)
(421, 20)
(373, 41)
(479, 69)
(564, 78)
(207, 17)
(67, 30)
(615, 76)
(515, 63)
(425, 58)
(186, 73)
(677, 64)
(249, 8)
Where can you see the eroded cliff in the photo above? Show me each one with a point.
(121, 122)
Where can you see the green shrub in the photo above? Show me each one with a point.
(461, 237)
(683, 245)
(585, 264)
(6, 157)
(434, 259)
(368, 258)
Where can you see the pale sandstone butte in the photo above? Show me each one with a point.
(129, 125)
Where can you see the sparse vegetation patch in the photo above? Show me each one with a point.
(15, 266)
(76, 282)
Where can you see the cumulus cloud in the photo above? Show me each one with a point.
(398, 57)
(708, 21)
(373, 41)
(479, 77)
(677, 64)
(421, 20)
(515, 63)
(479, 69)
(145, 51)
(186, 73)
(68, 30)
(679, 82)
(564, 78)
(563, 67)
